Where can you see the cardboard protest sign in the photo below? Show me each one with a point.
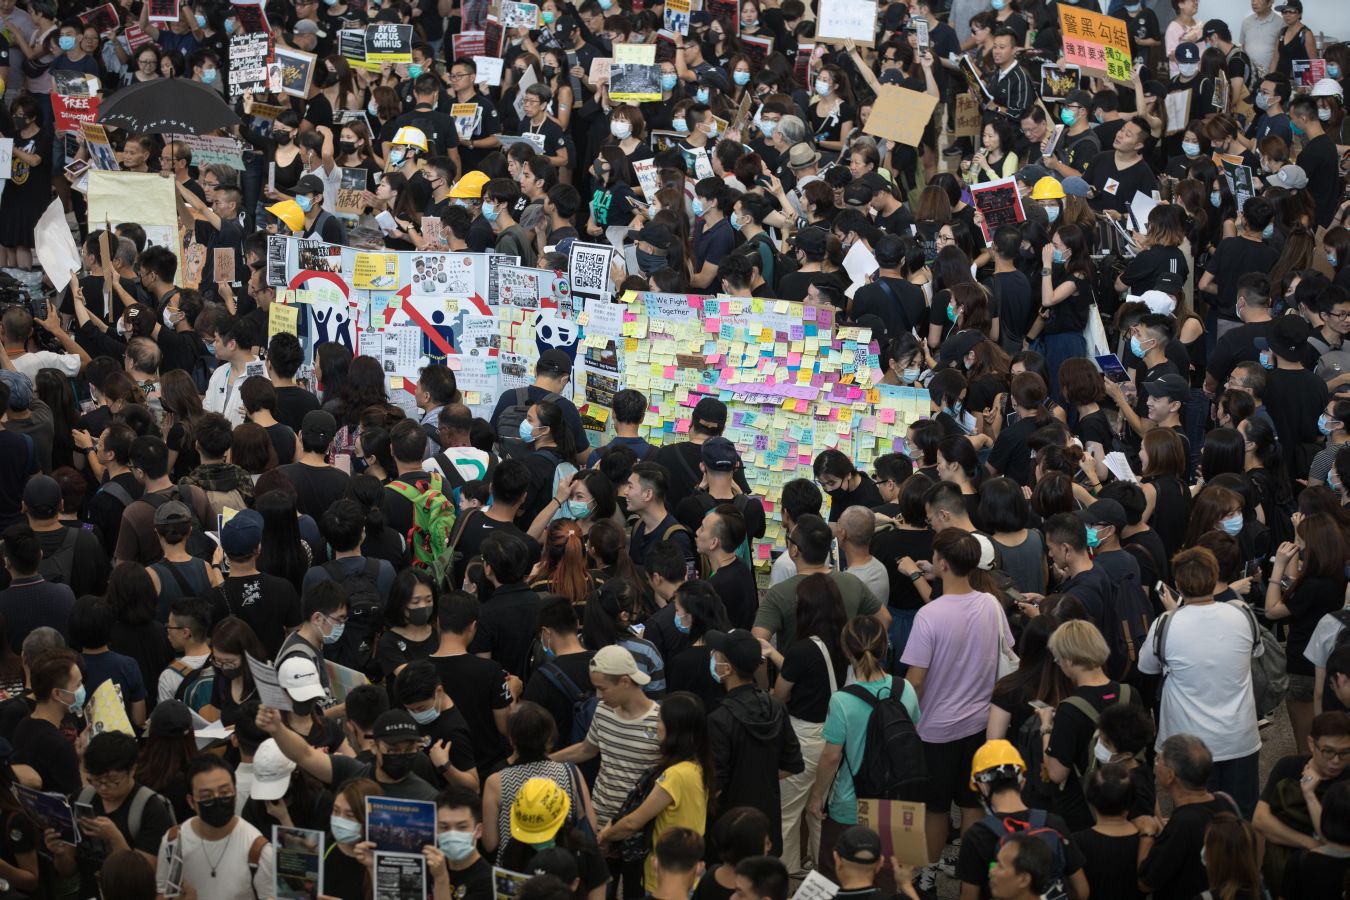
(842, 19)
(297, 70)
(900, 114)
(249, 54)
(1097, 43)
(900, 825)
(389, 43)
(967, 116)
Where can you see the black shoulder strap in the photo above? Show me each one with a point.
(862, 694)
(183, 587)
(372, 570)
(559, 679)
(450, 471)
(522, 396)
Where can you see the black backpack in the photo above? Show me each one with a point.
(583, 702)
(509, 444)
(893, 765)
(1034, 824)
(198, 544)
(1125, 622)
(365, 617)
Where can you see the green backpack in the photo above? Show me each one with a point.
(433, 520)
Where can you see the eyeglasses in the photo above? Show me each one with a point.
(109, 781)
(455, 76)
(1333, 753)
(1339, 315)
(207, 798)
(338, 620)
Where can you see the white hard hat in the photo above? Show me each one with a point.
(1327, 87)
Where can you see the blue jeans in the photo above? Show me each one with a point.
(1238, 778)
(1059, 347)
(902, 623)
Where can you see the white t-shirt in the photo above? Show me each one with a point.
(1323, 640)
(782, 569)
(1208, 691)
(169, 680)
(222, 394)
(32, 363)
(230, 855)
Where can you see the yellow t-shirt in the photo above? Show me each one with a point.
(688, 809)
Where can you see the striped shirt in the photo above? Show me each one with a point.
(628, 748)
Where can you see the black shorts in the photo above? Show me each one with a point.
(949, 773)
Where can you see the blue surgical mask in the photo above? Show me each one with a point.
(1052, 213)
(1262, 101)
(1232, 524)
(66, 42)
(1298, 132)
(201, 20)
(396, 157)
(229, 26)
(549, 16)
(999, 4)
(579, 509)
(490, 213)
(698, 207)
(701, 95)
(425, 716)
(1133, 8)
(211, 348)
(741, 77)
(951, 311)
(1324, 423)
(335, 635)
(77, 704)
(767, 127)
(681, 126)
(456, 845)
(414, 70)
(305, 202)
(1331, 258)
(1269, 231)
(1334, 71)
(1190, 148)
(682, 623)
(1057, 255)
(911, 374)
(526, 427)
(669, 80)
(370, 108)
(1266, 361)
(1215, 198)
(344, 831)
(1331, 484)
(1067, 116)
(735, 223)
(712, 669)
(606, 5)
(822, 87)
(1093, 539)
(1136, 347)
(1188, 69)
(209, 76)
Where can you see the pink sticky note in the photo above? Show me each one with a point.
(682, 426)
(712, 326)
(794, 359)
(762, 551)
(886, 415)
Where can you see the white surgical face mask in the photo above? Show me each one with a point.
(1188, 69)
(1102, 753)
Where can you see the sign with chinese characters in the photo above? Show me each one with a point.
(1099, 45)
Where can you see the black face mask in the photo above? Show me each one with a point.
(302, 707)
(282, 139)
(550, 71)
(228, 674)
(419, 616)
(216, 812)
(398, 766)
(346, 148)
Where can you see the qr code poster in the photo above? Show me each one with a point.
(317, 256)
(588, 267)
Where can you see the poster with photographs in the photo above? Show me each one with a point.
(351, 186)
(318, 256)
(434, 274)
(974, 82)
(518, 286)
(278, 248)
(677, 16)
(999, 204)
(162, 10)
(1058, 81)
(520, 15)
(299, 863)
(399, 876)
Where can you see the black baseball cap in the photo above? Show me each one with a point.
(309, 184)
(396, 725)
(1287, 338)
(711, 414)
(719, 455)
(42, 496)
(860, 845)
(1171, 386)
(555, 361)
(1103, 512)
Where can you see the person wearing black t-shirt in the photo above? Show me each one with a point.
(1235, 257)
(722, 530)
(1238, 345)
(1318, 159)
(890, 296)
(1116, 175)
(1110, 847)
(1009, 291)
(1066, 298)
(1172, 868)
(844, 483)
(567, 656)
(459, 827)
(510, 484)
(480, 689)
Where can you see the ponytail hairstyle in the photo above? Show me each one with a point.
(865, 645)
(608, 546)
(565, 561)
(603, 619)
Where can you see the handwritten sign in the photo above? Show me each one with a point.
(249, 54)
(1099, 44)
(282, 319)
(843, 19)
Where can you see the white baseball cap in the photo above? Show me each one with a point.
(1159, 303)
(300, 679)
(271, 772)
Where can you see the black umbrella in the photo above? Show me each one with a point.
(167, 106)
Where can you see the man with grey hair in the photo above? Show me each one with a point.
(546, 134)
(19, 704)
(1172, 867)
(854, 531)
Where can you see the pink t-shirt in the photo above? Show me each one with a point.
(955, 638)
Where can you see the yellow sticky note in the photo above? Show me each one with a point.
(396, 382)
(282, 319)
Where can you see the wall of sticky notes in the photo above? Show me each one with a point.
(794, 380)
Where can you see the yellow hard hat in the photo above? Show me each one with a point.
(411, 136)
(539, 810)
(290, 213)
(470, 187)
(995, 758)
(1047, 189)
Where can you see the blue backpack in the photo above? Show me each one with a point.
(583, 701)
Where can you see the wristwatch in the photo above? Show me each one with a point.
(915, 576)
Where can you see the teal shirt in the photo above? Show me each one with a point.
(846, 726)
